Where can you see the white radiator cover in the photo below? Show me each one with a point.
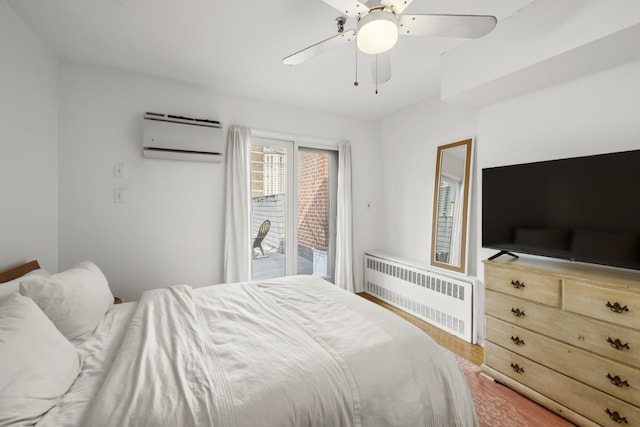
(442, 300)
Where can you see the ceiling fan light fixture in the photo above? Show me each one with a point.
(377, 30)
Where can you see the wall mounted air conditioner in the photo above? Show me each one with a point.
(182, 138)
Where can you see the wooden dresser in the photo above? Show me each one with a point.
(567, 336)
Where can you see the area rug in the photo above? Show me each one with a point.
(499, 406)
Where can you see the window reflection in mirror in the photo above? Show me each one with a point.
(450, 206)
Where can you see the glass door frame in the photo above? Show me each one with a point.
(292, 145)
(333, 200)
(289, 148)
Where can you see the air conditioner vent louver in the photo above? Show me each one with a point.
(175, 137)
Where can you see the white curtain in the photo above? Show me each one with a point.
(237, 239)
(344, 239)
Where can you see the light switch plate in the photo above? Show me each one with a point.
(118, 195)
(119, 170)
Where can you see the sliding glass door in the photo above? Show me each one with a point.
(316, 211)
(293, 209)
(271, 169)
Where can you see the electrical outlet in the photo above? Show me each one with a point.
(118, 195)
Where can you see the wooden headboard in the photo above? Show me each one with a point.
(18, 271)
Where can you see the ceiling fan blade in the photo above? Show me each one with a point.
(381, 67)
(468, 26)
(351, 8)
(315, 50)
(398, 5)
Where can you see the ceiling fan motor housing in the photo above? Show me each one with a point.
(377, 30)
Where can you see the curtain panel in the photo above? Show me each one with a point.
(237, 242)
(344, 240)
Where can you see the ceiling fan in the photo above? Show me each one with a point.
(378, 27)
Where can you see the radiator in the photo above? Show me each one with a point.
(443, 301)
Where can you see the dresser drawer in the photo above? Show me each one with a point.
(611, 341)
(617, 379)
(618, 306)
(545, 289)
(589, 402)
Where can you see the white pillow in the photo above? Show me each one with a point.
(75, 300)
(38, 363)
(7, 288)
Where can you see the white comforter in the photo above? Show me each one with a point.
(294, 351)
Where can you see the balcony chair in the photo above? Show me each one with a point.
(257, 242)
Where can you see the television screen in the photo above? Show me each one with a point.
(584, 209)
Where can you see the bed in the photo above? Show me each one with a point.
(291, 351)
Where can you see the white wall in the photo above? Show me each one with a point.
(530, 49)
(591, 115)
(411, 139)
(28, 146)
(170, 230)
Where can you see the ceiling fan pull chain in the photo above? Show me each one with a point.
(355, 83)
(376, 74)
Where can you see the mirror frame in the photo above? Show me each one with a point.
(461, 268)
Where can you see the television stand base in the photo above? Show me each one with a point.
(502, 253)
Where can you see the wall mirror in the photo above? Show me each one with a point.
(451, 206)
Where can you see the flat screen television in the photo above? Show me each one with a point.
(583, 209)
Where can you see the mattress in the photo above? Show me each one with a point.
(293, 351)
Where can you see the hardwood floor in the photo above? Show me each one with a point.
(471, 352)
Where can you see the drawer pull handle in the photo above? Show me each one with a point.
(617, 344)
(517, 340)
(617, 308)
(517, 284)
(615, 416)
(517, 368)
(617, 381)
(517, 312)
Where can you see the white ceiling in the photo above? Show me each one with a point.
(236, 47)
